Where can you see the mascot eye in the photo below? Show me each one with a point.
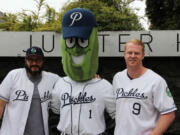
(70, 42)
(83, 43)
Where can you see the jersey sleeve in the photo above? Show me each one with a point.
(55, 99)
(6, 87)
(114, 82)
(109, 100)
(163, 100)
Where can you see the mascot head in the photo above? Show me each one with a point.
(79, 44)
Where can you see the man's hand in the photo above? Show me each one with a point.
(164, 122)
(97, 76)
(2, 105)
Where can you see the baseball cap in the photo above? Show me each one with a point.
(34, 51)
(78, 22)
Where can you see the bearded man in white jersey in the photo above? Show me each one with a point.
(144, 104)
(25, 95)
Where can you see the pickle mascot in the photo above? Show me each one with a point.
(80, 98)
(79, 45)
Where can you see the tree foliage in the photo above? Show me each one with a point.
(29, 20)
(163, 14)
(111, 15)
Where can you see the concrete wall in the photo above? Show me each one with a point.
(167, 67)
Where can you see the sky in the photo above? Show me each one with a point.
(15, 6)
(139, 7)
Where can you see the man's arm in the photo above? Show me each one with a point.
(164, 122)
(2, 105)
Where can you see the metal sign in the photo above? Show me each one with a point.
(111, 43)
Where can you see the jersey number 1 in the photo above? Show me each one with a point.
(90, 113)
(136, 108)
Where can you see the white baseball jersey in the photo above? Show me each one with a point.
(82, 105)
(139, 102)
(17, 90)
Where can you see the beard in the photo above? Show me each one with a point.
(33, 73)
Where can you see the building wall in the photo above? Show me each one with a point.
(167, 67)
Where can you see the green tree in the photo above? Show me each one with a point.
(8, 21)
(51, 20)
(111, 15)
(163, 14)
(26, 20)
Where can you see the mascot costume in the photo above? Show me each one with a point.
(79, 45)
(80, 98)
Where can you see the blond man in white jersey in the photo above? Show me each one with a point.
(144, 104)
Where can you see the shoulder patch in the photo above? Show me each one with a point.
(168, 92)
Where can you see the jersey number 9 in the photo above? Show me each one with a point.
(136, 108)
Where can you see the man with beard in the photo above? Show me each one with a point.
(25, 94)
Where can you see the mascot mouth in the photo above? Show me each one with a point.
(77, 59)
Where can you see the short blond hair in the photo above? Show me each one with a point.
(136, 42)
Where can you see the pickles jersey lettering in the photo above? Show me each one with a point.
(82, 98)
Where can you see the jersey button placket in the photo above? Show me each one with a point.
(76, 109)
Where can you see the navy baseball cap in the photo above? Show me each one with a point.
(34, 51)
(78, 22)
